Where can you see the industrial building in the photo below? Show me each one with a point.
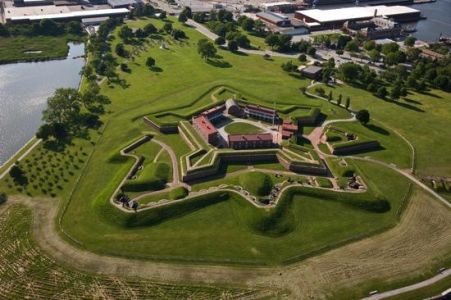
(274, 19)
(21, 15)
(376, 28)
(282, 7)
(317, 19)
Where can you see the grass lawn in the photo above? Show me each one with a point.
(44, 278)
(242, 128)
(394, 148)
(422, 118)
(24, 48)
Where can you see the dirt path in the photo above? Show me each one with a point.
(399, 252)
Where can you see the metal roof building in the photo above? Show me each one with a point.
(340, 15)
(72, 15)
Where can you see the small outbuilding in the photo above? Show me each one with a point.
(312, 72)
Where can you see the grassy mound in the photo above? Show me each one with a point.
(154, 176)
(178, 193)
(256, 183)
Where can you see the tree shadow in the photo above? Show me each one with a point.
(429, 94)
(406, 105)
(413, 101)
(377, 129)
(219, 63)
(240, 53)
(156, 69)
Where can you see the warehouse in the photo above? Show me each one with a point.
(274, 19)
(335, 18)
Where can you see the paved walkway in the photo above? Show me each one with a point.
(412, 287)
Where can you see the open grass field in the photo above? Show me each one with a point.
(393, 148)
(242, 128)
(27, 271)
(422, 118)
(22, 48)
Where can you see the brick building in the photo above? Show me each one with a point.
(250, 141)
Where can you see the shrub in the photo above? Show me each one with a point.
(3, 198)
(257, 183)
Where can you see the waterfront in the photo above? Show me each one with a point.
(438, 20)
(24, 89)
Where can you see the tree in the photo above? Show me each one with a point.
(182, 18)
(232, 45)
(74, 27)
(369, 45)
(289, 66)
(167, 27)
(442, 82)
(381, 92)
(395, 92)
(374, 55)
(363, 116)
(349, 71)
(272, 40)
(120, 50)
(178, 34)
(320, 91)
(311, 51)
(48, 26)
(63, 107)
(150, 62)
(18, 175)
(126, 33)
(348, 102)
(330, 97)
(410, 41)
(371, 87)
(187, 12)
(162, 15)
(248, 24)
(259, 26)
(302, 58)
(199, 17)
(352, 46)
(3, 198)
(220, 41)
(149, 29)
(389, 48)
(206, 49)
(3, 30)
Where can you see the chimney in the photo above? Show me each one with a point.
(375, 13)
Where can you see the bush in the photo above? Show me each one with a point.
(258, 184)
(3, 198)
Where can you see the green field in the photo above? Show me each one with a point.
(21, 48)
(422, 118)
(26, 271)
(242, 128)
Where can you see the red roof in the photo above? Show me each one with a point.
(250, 137)
(289, 127)
(286, 134)
(204, 125)
(213, 111)
(261, 109)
